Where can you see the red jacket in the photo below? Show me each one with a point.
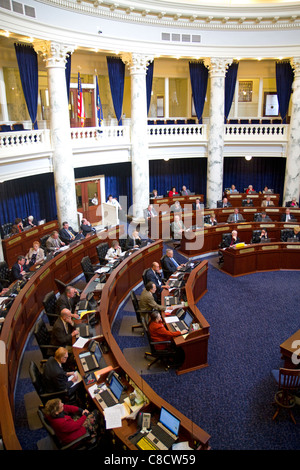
(64, 426)
(159, 333)
(171, 194)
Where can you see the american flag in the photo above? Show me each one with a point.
(99, 105)
(80, 105)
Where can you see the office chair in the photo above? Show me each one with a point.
(102, 249)
(162, 355)
(137, 310)
(5, 274)
(144, 276)
(288, 381)
(244, 202)
(43, 242)
(257, 217)
(286, 233)
(49, 303)
(224, 244)
(88, 268)
(43, 337)
(255, 236)
(61, 286)
(5, 230)
(37, 381)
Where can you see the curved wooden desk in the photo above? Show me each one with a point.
(236, 199)
(195, 345)
(261, 257)
(28, 306)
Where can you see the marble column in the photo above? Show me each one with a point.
(137, 64)
(55, 55)
(217, 70)
(292, 169)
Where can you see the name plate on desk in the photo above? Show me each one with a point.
(78, 248)
(14, 240)
(250, 210)
(176, 198)
(32, 232)
(267, 224)
(235, 196)
(49, 226)
(243, 226)
(60, 260)
(270, 247)
(226, 211)
(271, 210)
(293, 247)
(253, 195)
(290, 225)
(222, 229)
(246, 250)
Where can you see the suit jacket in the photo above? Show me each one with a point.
(61, 336)
(148, 303)
(232, 242)
(148, 214)
(55, 378)
(175, 208)
(154, 277)
(231, 218)
(194, 206)
(66, 302)
(176, 229)
(16, 271)
(185, 193)
(39, 257)
(266, 219)
(283, 217)
(265, 203)
(87, 229)
(168, 265)
(65, 427)
(65, 236)
(52, 244)
(220, 204)
(158, 332)
(131, 242)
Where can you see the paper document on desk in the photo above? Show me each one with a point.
(113, 416)
(63, 248)
(171, 319)
(80, 342)
(104, 269)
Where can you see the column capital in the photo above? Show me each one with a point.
(295, 63)
(217, 66)
(54, 53)
(136, 62)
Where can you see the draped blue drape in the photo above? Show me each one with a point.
(28, 68)
(149, 79)
(198, 77)
(284, 81)
(230, 82)
(116, 73)
(68, 74)
(33, 195)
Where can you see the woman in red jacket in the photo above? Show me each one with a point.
(66, 428)
(159, 332)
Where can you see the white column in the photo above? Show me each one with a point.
(167, 98)
(55, 57)
(292, 170)
(3, 101)
(137, 64)
(217, 70)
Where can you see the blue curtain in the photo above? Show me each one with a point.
(149, 79)
(260, 172)
(198, 77)
(28, 68)
(230, 82)
(284, 81)
(116, 73)
(68, 75)
(33, 195)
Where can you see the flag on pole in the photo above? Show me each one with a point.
(99, 105)
(80, 105)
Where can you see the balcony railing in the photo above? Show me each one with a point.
(19, 143)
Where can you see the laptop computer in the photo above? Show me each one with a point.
(112, 395)
(185, 321)
(92, 360)
(162, 435)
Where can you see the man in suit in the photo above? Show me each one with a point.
(247, 202)
(263, 217)
(185, 191)
(287, 216)
(133, 241)
(147, 301)
(153, 274)
(69, 299)
(197, 204)
(235, 217)
(64, 330)
(223, 203)
(20, 268)
(169, 264)
(87, 228)
(150, 212)
(176, 207)
(54, 243)
(267, 202)
(67, 234)
(177, 227)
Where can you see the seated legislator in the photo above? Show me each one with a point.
(247, 202)
(176, 207)
(64, 330)
(114, 252)
(297, 232)
(232, 240)
(224, 203)
(147, 301)
(86, 228)
(133, 241)
(212, 220)
(154, 194)
(20, 268)
(233, 189)
(66, 428)
(35, 254)
(69, 299)
(267, 202)
(292, 203)
(56, 378)
(267, 190)
(54, 243)
(169, 263)
(177, 227)
(250, 189)
(150, 212)
(235, 217)
(32, 221)
(197, 204)
(263, 236)
(158, 332)
(17, 227)
(173, 192)
(153, 274)
(67, 234)
(184, 191)
(287, 216)
(263, 217)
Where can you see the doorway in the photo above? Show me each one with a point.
(89, 194)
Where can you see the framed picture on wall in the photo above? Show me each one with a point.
(271, 106)
(245, 91)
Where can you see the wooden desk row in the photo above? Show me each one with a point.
(28, 306)
(261, 257)
(182, 199)
(20, 243)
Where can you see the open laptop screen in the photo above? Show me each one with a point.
(116, 387)
(188, 318)
(169, 421)
(98, 353)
